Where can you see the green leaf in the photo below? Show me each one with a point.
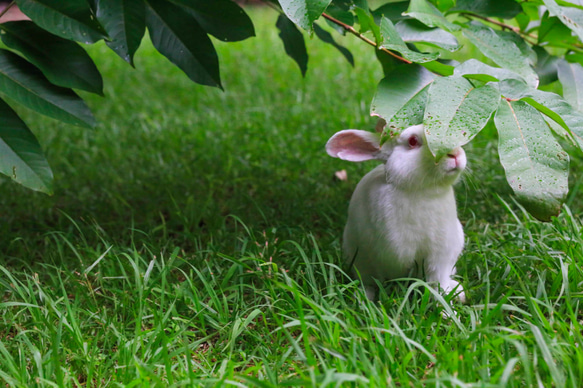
(571, 17)
(501, 50)
(526, 50)
(367, 23)
(413, 31)
(340, 14)
(125, 23)
(342, 4)
(387, 61)
(304, 12)
(474, 69)
(223, 19)
(427, 14)
(546, 66)
(443, 5)
(505, 9)
(22, 158)
(343, 15)
(24, 83)
(456, 112)
(523, 21)
(536, 167)
(410, 114)
(393, 11)
(550, 104)
(571, 77)
(62, 61)
(398, 88)
(293, 42)
(531, 10)
(71, 19)
(392, 41)
(555, 33)
(562, 133)
(574, 57)
(179, 37)
(443, 67)
(325, 36)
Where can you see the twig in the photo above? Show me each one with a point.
(500, 24)
(496, 22)
(363, 38)
(576, 46)
(5, 10)
(353, 32)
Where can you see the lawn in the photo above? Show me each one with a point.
(194, 240)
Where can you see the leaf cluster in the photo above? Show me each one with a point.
(43, 60)
(520, 48)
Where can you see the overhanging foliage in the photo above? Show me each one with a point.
(528, 44)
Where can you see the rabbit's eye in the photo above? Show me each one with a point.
(414, 142)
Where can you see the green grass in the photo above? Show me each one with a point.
(194, 239)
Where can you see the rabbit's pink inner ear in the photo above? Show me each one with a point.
(353, 145)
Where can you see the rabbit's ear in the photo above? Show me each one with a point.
(355, 145)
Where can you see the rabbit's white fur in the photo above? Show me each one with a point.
(402, 218)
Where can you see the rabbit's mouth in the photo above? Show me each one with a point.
(454, 171)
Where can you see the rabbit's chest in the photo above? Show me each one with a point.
(417, 227)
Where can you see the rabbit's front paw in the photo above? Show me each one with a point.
(454, 286)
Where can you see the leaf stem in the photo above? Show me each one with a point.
(503, 25)
(5, 10)
(363, 38)
(574, 46)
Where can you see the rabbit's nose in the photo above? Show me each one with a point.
(457, 158)
(455, 153)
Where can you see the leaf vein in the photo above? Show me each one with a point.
(521, 135)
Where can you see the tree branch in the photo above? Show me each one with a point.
(350, 29)
(7, 8)
(503, 25)
(575, 46)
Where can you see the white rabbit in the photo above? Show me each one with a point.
(402, 218)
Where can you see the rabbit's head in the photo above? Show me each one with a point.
(408, 162)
